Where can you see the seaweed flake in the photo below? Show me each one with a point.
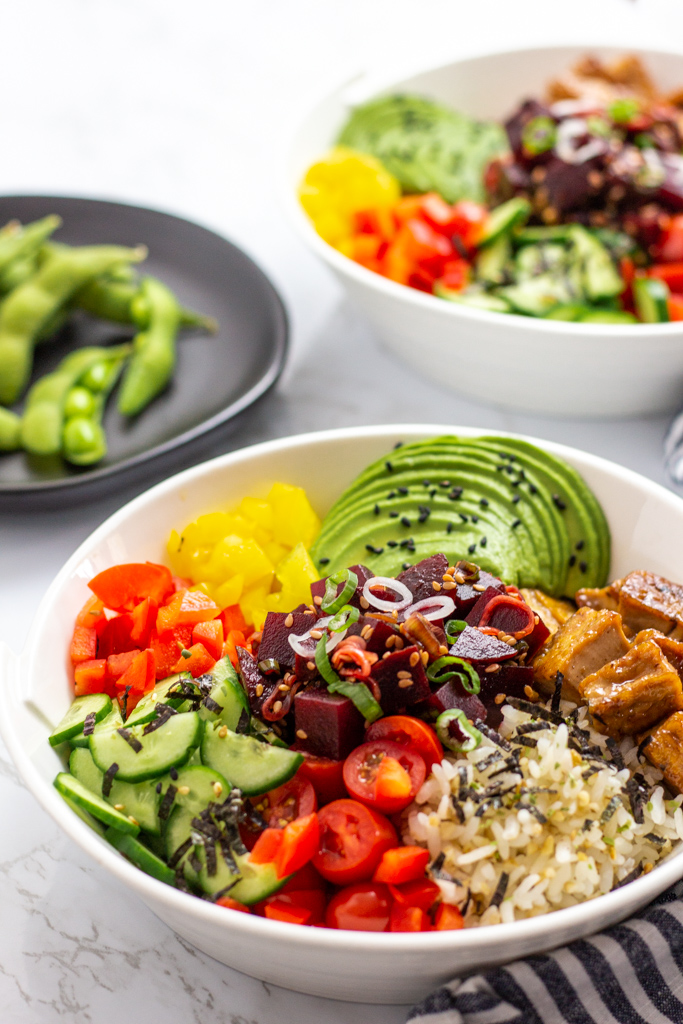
(178, 854)
(211, 705)
(492, 734)
(243, 723)
(459, 813)
(525, 741)
(162, 714)
(615, 751)
(167, 802)
(588, 824)
(659, 841)
(557, 693)
(131, 740)
(610, 809)
(630, 877)
(108, 778)
(124, 703)
(89, 724)
(535, 710)
(527, 727)
(500, 890)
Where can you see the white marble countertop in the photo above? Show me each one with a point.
(181, 106)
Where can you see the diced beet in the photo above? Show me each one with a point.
(275, 639)
(301, 669)
(481, 648)
(419, 578)
(332, 724)
(362, 572)
(453, 695)
(385, 673)
(511, 681)
(473, 617)
(515, 125)
(507, 614)
(252, 677)
(381, 631)
(537, 637)
(465, 596)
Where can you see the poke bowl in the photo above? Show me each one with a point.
(545, 363)
(333, 962)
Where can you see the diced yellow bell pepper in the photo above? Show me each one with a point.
(258, 511)
(253, 605)
(295, 520)
(234, 554)
(295, 573)
(229, 593)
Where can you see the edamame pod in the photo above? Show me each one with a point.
(18, 242)
(153, 359)
(111, 299)
(10, 431)
(84, 441)
(29, 307)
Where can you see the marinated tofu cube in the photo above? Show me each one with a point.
(648, 601)
(582, 645)
(600, 597)
(664, 749)
(670, 648)
(634, 692)
(552, 610)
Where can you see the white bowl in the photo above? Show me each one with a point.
(356, 966)
(517, 362)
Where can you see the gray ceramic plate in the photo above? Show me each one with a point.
(217, 376)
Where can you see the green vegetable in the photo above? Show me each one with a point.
(539, 135)
(10, 431)
(505, 218)
(450, 667)
(344, 618)
(651, 297)
(111, 296)
(331, 602)
(83, 439)
(623, 110)
(474, 737)
(153, 359)
(358, 693)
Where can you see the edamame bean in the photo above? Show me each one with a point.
(153, 359)
(10, 431)
(30, 306)
(80, 401)
(18, 242)
(83, 439)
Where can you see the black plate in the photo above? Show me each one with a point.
(217, 376)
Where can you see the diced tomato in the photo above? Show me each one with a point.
(117, 664)
(300, 841)
(123, 586)
(267, 845)
(421, 893)
(90, 676)
(280, 910)
(408, 732)
(326, 776)
(232, 618)
(167, 648)
(427, 248)
(352, 840)
(91, 614)
(83, 644)
(197, 663)
(408, 919)
(139, 675)
(231, 904)
(295, 799)
(234, 639)
(306, 878)
(456, 275)
(384, 775)
(469, 219)
(670, 246)
(210, 634)
(404, 864)
(448, 918)
(143, 618)
(114, 637)
(675, 306)
(364, 907)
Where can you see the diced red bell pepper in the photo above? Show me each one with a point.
(670, 273)
(197, 663)
(266, 846)
(83, 644)
(115, 636)
(186, 608)
(123, 586)
(143, 619)
(365, 249)
(90, 677)
(404, 864)
(210, 634)
(231, 904)
(469, 219)
(300, 840)
(675, 306)
(407, 208)
(117, 664)
(437, 212)
(448, 918)
(422, 893)
(397, 265)
(167, 648)
(422, 280)
(378, 221)
(91, 614)
(427, 248)
(456, 275)
(181, 583)
(313, 900)
(279, 910)
(234, 639)
(139, 675)
(670, 246)
(408, 919)
(232, 618)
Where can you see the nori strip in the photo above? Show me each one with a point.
(511, 764)
(163, 712)
(659, 841)
(557, 693)
(492, 734)
(643, 744)
(534, 811)
(630, 877)
(214, 897)
(211, 861)
(610, 809)
(131, 740)
(527, 727)
(243, 723)
(124, 701)
(212, 705)
(178, 854)
(108, 778)
(89, 724)
(486, 762)
(501, 889)
(167, 802)
(614, 750)
(588, 823)
(459, 813)
(535, 710)
(525, 741)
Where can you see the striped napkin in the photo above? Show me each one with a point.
(629, 974)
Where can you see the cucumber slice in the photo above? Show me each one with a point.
(79, 794)
(255, 882)
(504, 218)
(570, 311)
(97, 704)
(166, 747)
(474, 299)
(145, 709)
(251, 766)
(262, 732)
(202, 785)
(491, 263)
(228, 693)
(139, 855)
(554, 233)
(651, 297)
(93, 823)
(608, 316)
(533, 260)
(139, 800)
(601, 279)
(538, 295)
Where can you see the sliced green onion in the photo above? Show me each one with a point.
(331, 602)
(358, 693)
(539, 135)
(623, 110)
(468, 570)
(344, 618)
(442, 724)
(598, 126)
(438, 672)
(454, 628)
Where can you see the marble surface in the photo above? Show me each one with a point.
(183, 107)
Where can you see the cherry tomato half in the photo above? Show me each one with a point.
(352, 840)
(384, 775)
(296, 799)
(361, 908)
(325, 775)
(408, 732)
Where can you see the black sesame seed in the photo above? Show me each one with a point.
(484, 503)
(426, 483)
(572, 561)
(402, 490)
(463, 517)
(579, 545)
(516, 523)
(475, 519)
(532, 489)
(391, 494)
(389, 467)
(393, 515)
(472, 548)
(583, 566)
(510, 470)
(406, 522)
(392, 543)
(406, 565)
(558, 503)
(323, 561)
(377, 510)
(455, 493)
(516, 498)
(515, 483)
(408, 542)
(373, 550)
(499, 468)
(449, 528)
(483, 542)
(432, 492)
(399, 444)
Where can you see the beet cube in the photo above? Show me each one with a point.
(511, 681)
(537, 637)
(474, 615)
(275, 639)
(465, 596)
(332, 724)
(381, 631)
(481, 648)
(453, 695)
(362, 572)
(395, 694)
(252, 677)
(419, 578)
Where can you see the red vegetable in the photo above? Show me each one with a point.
(186, 607)
(352, 840)
(421, 893)
(296, 799)
(139, 676)
(408, 732)
(408, 919)
(90, 676)
(283, 910)
(364, 907)
(509, 615)
(404, 864)
(210, 634)
(325, 775)
(83, 644)
(167, 648)
(300, 840)
(448, 918)
(384, 775)
(143, 618)
(123, 586)
(231, 904)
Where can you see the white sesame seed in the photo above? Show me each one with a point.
(302, 734)
(289, 621)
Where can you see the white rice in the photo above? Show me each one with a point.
(552, 831)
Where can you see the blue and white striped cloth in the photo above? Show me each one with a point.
(629, 974)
